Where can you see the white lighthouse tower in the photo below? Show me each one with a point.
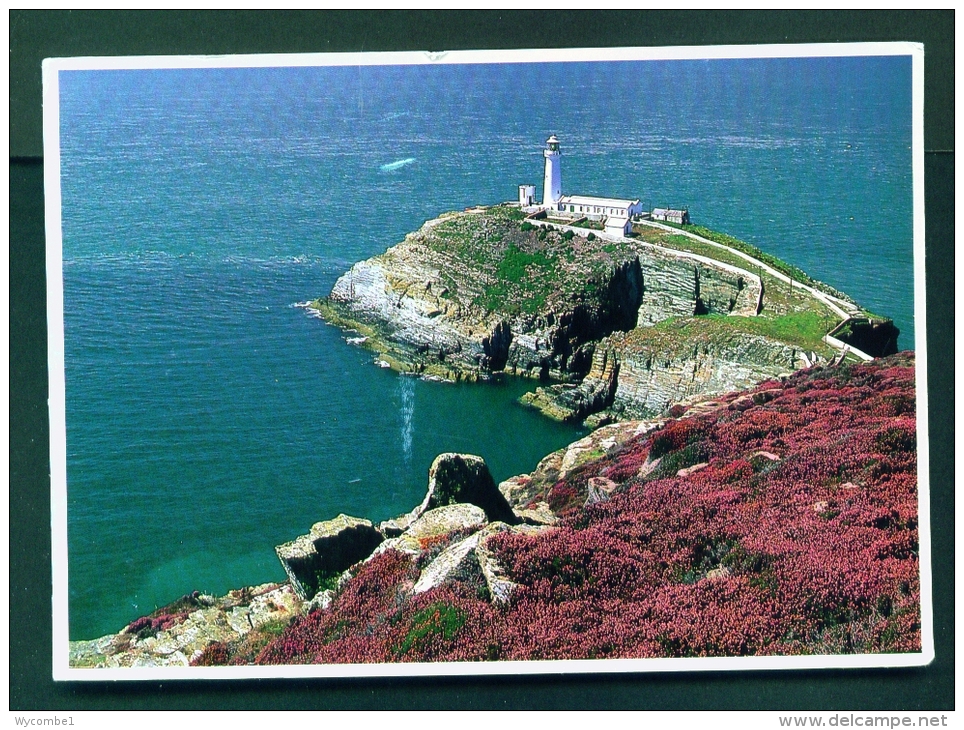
(552, 190)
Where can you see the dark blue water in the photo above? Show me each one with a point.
(209, 419)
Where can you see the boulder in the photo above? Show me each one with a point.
(500, 587)
(433, 524)
(599, 490)
(463, 478)
(329, 549)
(455, 479)
(469, 560)
(537, 513)
(456, 563)
(516, 489)
(692, 469)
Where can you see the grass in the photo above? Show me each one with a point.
(441, 620)
(515, 263)
(326, 580)
(522, 282)
(804, 329)
(782, 266)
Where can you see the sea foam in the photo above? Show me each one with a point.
(390, 166)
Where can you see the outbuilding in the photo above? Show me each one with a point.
(680, 216)
(618, 225)
(527, 195)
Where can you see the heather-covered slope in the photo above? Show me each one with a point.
(783, 521)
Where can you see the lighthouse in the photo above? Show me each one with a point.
(552, 190)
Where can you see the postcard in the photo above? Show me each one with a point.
(517, 362)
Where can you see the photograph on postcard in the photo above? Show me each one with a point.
(535, 361)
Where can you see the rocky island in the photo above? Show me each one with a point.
(615, 326)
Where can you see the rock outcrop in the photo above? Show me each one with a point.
(656, 375)
(476, 294)
(327, 551)
(575, 401)
(524, 492)
(456, 479)
(434, 524)
(177, 634)
(462, 509)
(875, 337)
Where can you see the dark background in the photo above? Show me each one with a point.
(35, 35)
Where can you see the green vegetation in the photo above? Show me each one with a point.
(685, 243)
(784, 268)
(515, 263)
(326, 580)
(437, 621)
(523, 280)
(805, 329)
(511, 212)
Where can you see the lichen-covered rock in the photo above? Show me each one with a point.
(470, 560)
(464, 478)
(433, 524)
(537, 513)
(599, 489)
(229, 619)
(455, 479)
(646, 372)
(329, 549)
(456, 563)
(499, 585)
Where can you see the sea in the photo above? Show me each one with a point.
(210, 417)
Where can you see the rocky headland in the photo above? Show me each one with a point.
(779, 520)
(614, 327)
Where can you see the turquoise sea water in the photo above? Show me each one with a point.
(209, 418)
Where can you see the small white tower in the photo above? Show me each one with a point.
(527, 195)
(552, 190)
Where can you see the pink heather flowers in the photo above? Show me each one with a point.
(798, 536)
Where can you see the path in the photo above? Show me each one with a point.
(843, 309)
